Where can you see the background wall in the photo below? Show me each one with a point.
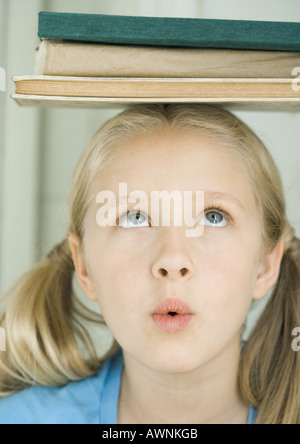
(39, 148)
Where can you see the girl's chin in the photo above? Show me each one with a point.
(171, 358)
(174, 367)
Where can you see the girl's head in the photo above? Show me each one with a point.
(247, 247)
(218, 274)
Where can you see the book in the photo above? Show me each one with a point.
(256, 104)
(170, 32)
(62, 58)
(145, 88)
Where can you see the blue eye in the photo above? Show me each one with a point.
(133, 219)
(215, 219)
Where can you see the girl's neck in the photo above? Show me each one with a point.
(208, 395)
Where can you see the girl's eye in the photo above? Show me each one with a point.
(215, 219)
(133, 219)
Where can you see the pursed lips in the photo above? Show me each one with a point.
(172, 315)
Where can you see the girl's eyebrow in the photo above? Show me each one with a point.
(224, 196)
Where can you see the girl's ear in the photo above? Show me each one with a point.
(269, 271)
(80, 267)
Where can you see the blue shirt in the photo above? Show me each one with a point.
(91, 401)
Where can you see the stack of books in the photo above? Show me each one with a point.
(86, 59)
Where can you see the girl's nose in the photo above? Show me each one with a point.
(172, 273)
(173, 260)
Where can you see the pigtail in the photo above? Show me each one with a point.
(270, 368)
(46, 341)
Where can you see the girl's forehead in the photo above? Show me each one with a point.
(179, 162)
(173, 157)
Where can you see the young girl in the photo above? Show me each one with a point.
(175, 304)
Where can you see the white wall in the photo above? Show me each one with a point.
(39, 149)
(19, 149)
(277, 10)
(3, 13)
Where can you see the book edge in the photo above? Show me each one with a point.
(148, 79)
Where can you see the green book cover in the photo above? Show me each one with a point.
(170, 32)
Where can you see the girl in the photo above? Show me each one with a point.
(175, 304)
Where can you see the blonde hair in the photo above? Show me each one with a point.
(43, 318)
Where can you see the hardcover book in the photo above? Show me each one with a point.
(151, 88)
(60, 58)
(170, 32)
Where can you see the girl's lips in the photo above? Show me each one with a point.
(173, 305)
(172, 315)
